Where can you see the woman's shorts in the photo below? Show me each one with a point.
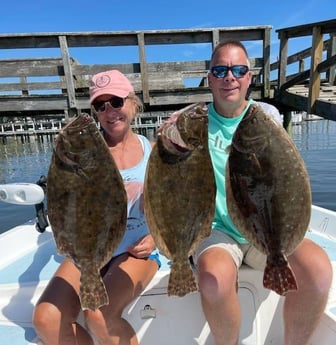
(241, 253)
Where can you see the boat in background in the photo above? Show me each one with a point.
(29, 258)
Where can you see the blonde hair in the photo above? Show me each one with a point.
(139, 105)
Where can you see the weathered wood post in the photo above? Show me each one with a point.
(72, 104)
(287, 122)
(315, 77)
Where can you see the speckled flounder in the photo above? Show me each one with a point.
(87, 204)
(268, 193)
(179, 192)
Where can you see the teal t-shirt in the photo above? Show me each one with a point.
(221, 130)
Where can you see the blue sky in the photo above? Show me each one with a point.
(84, 15)
(118, 15)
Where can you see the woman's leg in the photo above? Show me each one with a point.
(57, 309)
(125, 278)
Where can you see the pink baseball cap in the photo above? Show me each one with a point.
(110, 83)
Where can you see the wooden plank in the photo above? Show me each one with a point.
(300, 56)
(300, 77)
(327, 98)
(294, 100)
(326, 110)
(256, 64)
(241, 35)
(68, 72)
(326, 26)
(282, 59)
(143, 68)
(124, 38)
(181, 97)
(215, 38)
(315, 77)
(267, 62)
(31, 67)
(325, 65)
(43, 86)
(332, 52)
(24, 89)
(191, 95)
(157, 81)
(299, 102)
(32, 104)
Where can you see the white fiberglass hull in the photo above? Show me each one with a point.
(29, 258)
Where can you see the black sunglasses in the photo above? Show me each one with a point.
(238, 71)
(115, 102)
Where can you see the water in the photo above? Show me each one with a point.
(26, 162)
(316, 141)
(21, 162)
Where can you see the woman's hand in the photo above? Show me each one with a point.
(143, 248)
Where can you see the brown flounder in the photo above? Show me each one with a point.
(87, 204)
(179, 192)
(268, 194)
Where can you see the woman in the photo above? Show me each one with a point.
(135, 262)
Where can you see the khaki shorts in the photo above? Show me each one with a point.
(241, 253)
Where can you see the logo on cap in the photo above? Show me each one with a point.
(103, 81)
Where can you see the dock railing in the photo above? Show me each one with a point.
(60, 83)
(322, 56)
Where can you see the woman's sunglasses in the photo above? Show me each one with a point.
(238, 71)
(115, 102)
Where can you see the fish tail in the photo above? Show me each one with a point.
(280, 279)
(92, 290)
(181, 279)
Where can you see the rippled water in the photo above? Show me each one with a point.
(316, 141)
(21, 162)
(26, 162)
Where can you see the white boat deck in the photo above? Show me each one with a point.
(23, 276)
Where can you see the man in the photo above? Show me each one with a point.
(219, 256)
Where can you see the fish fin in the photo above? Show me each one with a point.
(181, 279)
(280, 279)
(92, 290)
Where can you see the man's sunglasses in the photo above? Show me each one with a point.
(115, 102)
(238, 71)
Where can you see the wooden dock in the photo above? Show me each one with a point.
(24, 130)
(145, 124)
(58, 85)
(311, 89)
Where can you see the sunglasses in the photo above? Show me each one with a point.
(238, 71)
(115, 102)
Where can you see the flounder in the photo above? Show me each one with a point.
(179, 192)
(87, 204)
(268, 193)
